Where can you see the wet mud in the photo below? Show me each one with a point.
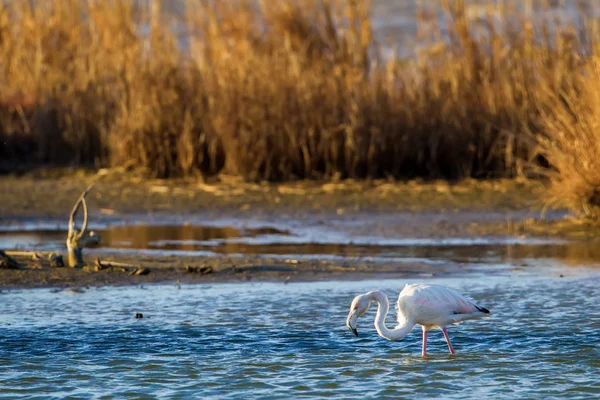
(191, 231)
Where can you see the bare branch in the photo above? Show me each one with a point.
(85, 219)
(72, 218)
(78, 239)
(76, 208)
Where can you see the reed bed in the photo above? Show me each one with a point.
(299, 89)
(570, 140)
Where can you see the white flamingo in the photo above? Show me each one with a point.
(430, 306)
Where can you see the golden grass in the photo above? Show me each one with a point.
(571, 143)
(292, 89)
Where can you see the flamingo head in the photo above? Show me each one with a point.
(359, 306)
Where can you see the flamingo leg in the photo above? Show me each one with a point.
(448, 341)
(424, 351)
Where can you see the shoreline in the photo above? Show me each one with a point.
(394, 210)
(175, 271)
(211, 269)
(230, 271)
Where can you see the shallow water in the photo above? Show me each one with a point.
(321, 242)
(274, 340)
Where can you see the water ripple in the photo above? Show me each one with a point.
(271, 340)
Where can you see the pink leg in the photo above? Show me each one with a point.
(448, 341)
(424, 351)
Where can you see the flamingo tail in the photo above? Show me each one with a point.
(482, 309)
(458, 318)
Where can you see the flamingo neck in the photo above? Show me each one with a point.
(397, 333)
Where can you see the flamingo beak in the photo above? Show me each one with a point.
(354, 331)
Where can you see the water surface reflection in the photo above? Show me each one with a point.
(272, 241)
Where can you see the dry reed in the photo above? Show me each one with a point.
(571, 143)
(290, 89)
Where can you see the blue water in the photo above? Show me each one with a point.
(273, 340)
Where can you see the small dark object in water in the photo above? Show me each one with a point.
(7, 262)
(56, 261)
(139, 315)
(562, 276)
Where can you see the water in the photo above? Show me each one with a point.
(395, 22)
(284, 241)
(142, 236)
(273, 340)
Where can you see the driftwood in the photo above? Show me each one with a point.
(131, 269)
(78, 239)
(204, 270)
(6, 261)
(55, 260)
(16, 253)
(106, 264)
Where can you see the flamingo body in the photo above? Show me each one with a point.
(430, 306)
(433, 306)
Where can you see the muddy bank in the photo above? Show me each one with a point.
(411, 209)
(374, 209)
(51, 194)
(186, 270)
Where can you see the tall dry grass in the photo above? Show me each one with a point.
(571, 143)
(282, 89)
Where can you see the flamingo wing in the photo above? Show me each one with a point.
(434, 305)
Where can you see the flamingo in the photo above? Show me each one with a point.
(430, 306)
